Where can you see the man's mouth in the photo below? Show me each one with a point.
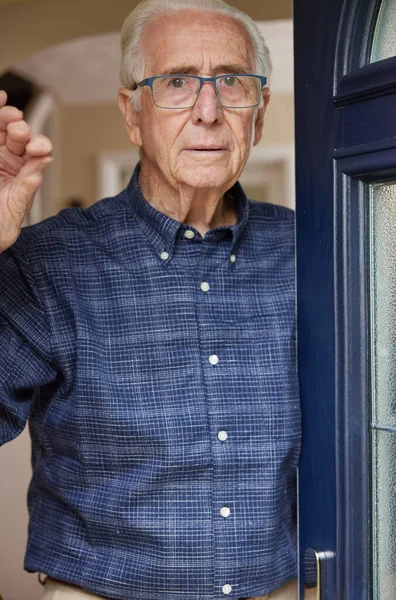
(206, 149)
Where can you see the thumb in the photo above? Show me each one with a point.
(30, 176)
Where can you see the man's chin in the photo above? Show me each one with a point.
(206, 176)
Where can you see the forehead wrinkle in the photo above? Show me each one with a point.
(231, 36)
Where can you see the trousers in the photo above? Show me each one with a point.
(56, 590)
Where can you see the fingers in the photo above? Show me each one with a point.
(3, 98)
(8, 114)
(18, 136)
(31, 173)
(39, 145)
(21, 142)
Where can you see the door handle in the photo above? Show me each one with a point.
(320, 574)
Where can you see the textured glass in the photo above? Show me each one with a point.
(384, 44)
(383, 303)
(384, 515)
(383, 365)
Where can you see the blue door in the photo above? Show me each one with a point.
(345, 81)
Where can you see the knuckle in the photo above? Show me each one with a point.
(11, 113)
(19, 128)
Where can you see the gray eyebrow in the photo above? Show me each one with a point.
(191, 70)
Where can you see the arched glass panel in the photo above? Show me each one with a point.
(384, 43)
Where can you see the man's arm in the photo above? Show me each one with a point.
(24, 336)
(25, 343)
(23, 158)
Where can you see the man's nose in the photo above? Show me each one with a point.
(207, 107)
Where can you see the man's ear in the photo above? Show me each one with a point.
(131, 116)
(258, 131)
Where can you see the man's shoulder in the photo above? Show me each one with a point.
(268, 211)
(96, 221)
(80, 218)
(270, 225)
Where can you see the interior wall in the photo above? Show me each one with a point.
(86, 131)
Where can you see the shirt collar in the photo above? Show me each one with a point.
(162, 231)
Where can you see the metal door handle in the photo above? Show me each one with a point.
(325, 573)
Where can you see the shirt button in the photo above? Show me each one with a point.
(222, 435)
(164, 255)
(225, 511)
(205, 287)
(232, 258)
(189, 234)
(213, 359)
(226, 589)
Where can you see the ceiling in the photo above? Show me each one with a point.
(257, 9)
(28, 26)
(4, 2)
(85, 70)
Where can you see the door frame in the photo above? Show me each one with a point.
(341, 145)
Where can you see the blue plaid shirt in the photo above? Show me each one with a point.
(157, 368)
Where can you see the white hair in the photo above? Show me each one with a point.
(132, 58)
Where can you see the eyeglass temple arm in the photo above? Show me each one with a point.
(135, 85)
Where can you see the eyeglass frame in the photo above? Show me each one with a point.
(150, 80)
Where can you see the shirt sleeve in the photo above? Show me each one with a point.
(25, 343)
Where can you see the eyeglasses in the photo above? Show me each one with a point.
(182, 91)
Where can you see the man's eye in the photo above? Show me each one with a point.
(177, 82)
(230, 81)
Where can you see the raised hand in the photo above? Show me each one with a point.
(23, 158)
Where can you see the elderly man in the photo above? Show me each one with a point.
(150, 338)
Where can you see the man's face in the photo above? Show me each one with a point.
(207, 145)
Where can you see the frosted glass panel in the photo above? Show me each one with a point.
(384, 515)
(383, 303)
(384, 44)
(383, 377)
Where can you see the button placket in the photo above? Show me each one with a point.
(221, 510)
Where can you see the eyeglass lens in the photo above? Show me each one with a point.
(181, 92)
